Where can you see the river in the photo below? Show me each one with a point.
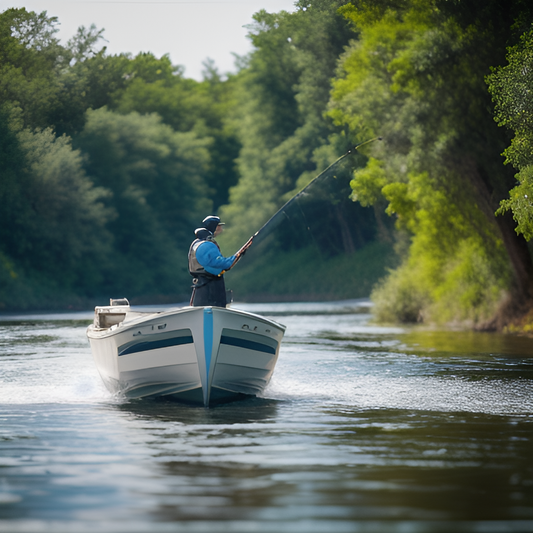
(363, 428)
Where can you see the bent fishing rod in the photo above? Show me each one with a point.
(276, 218)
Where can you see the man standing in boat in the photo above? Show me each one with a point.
(207, 264)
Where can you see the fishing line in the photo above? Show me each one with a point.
(307, 225)
(277, 217)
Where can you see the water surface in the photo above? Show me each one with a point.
(363, 428)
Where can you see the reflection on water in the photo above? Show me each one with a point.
(468, 342)
(245, 411)
(361, 429)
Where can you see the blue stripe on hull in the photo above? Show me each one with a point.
(208, 349)
(208, 339)
(250, 345)
(154, 345)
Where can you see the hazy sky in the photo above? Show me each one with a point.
(189, 31)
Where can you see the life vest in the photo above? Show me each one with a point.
(195, 268)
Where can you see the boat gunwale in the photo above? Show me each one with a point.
(145, 316)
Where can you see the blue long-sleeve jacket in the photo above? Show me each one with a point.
(209, 256)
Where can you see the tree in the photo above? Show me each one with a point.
(68, 219)
(188, 105)
(416, 76)
(30, 57)
(53, 239)
(283, 92)
(156, 177)
(83, 45)
(54, 85)
(510, 87)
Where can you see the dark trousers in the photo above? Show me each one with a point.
(209, 292)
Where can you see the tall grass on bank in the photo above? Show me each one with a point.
(304, 275)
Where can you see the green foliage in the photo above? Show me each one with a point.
(61, 234)
(399, 298)
(68, 214)
(37, 75)
(187, 105)
(52, 218)
(305, 275)
(83, 45)
(14, 182)
(368, 183)
(108, 163)
(510, 87)
(451, 272)
(465, 288)
(93, 80)
(156, 176)
(30, 56)
(416, 76)
(520, 202)
(283, 93)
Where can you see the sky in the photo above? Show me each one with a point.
(189, 31)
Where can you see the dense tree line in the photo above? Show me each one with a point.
(418, 75)
(107, 165)
(109, 162)
(286, 140)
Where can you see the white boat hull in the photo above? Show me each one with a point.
(196, 354)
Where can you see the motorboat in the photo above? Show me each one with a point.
(200, 355)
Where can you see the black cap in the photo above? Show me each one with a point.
(211, 222)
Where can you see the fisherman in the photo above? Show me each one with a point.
(207, 264)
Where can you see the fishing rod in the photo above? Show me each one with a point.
(277, 217)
